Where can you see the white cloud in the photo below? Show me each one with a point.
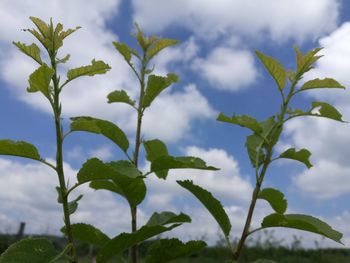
(281, 20)
(227, 69)
(87, 96)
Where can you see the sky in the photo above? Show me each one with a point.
(219, 72)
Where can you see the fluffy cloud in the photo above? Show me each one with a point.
(227, 69)
(207, 19)
(93, 40)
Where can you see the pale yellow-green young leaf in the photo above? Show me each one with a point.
(321, 84)
(159, 45)
(32, 51)
(40, 80)
(305, 62)
(41, 25)
(125, 51)
(96, 67)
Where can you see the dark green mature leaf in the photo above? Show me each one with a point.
(165, 250)
(120, 96)
(132, 188)
(105, 185)
(38, 250)
(155, 149)
(32, 51)
(159, 45)
(125, 51)
(211, 203)
(73, 205)
(326, 110)
(321, 84)
(302, 222)
(19, 148)
(166, 217)
(304, 62)
(187, 162)
(125, 240)
(155, 85)
(275, 198)
(96, 67)
(275, 69)
(244, 121)
(302, 155)
(95, 169)
(40, 80)
(88, 233)
(98, 126)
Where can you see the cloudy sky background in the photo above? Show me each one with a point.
(218, 71)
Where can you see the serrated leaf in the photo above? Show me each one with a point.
(321, 84)
(304, 62)
(166, 250)
(155, 149)
(243, 120)
(211, 203)
(19, 148)
(120, 96)
(96, 67)
(170, 162)
(88, 233)
(95, 169)
(275, 198)
(159, 45)
(302, 155)
(32, 51)
(302, 222)
(64, 34)
(41, 25)
(38, 250)
(103, 127)
(275, 69)
(155, 85)
(125, 51)
(40, 80)
(73, 205)
(125, 240)
(166, 217)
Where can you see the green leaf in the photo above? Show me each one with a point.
(244, 121)
(132, 188)
(73, 205)
(120, 96)
(159, 45)
(98, 126)
(38, 250)
(165, 250)
(125, 240)
(155, 149)
(155, 85)
(95, 169)
(275, 198)
(211, 203)
(40, 80)
(19, 148)
(105, 185)
(96, 67)
(64, 59)
(187, 162)
(125, 51)
(88, 233)
(304, 62)
(41, 25)
(327, 111)
(32, 51)
(275, 69)
(321, 84)
(253, 144)
(166, 217)
(302, 222)
(302, 155)
(126, 168)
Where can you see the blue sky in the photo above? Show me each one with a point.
(219, 73)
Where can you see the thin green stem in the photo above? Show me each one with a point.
(59, 158)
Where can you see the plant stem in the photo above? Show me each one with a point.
(59, 160)
(133, 250)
